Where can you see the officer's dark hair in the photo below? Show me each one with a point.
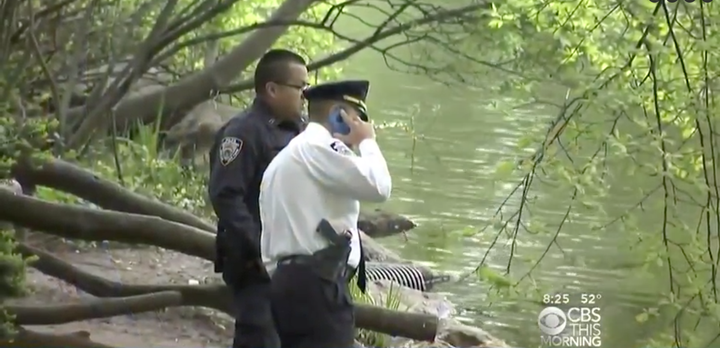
(273, 67)
(319, 109)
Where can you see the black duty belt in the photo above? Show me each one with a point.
(331, 263)
(326, 269)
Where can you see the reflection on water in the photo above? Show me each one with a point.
(443, 170)
(443, 165)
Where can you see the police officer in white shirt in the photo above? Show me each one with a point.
(309, 191)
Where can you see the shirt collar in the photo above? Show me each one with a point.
(262, 108)
(317, 130)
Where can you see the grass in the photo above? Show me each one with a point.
(391, 301)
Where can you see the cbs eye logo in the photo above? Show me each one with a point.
(552, 321)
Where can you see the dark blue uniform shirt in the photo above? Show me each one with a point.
(242, 150)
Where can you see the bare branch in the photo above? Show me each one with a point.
(121, 85)
(94, 309)
(97, 225)
(379, 35)
(411, 325)
(196, 88)
(70, 178)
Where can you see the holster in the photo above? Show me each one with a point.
(333, 259)
(329, 263)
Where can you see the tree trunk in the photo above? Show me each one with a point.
(101, 308)
(198, 87)
(412, 325)
(67, 177)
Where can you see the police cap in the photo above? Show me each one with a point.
(352, 92)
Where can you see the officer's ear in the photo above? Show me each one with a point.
(271, 89)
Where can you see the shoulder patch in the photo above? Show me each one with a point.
(229, 149)
(340, 148)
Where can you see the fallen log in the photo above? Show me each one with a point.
(412, 325)
(90, 224)
(95, 309)
(67, 177)
(33, 339)
(96, 225)
(77, 222)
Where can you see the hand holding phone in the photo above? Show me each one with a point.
(337, 124)
(357, 129)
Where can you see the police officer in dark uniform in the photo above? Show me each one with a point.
(242, 150)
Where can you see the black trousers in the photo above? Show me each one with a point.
(309, 311)
(254, 326)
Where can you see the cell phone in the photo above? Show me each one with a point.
(337, 124)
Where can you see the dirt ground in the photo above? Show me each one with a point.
(174, 327)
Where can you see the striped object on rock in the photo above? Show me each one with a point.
(408, 275)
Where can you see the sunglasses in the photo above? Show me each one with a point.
(294, 86)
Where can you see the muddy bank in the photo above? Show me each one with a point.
(173, 327)
(190, 326)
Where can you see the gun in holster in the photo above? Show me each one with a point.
(340, 249)
(330, 263)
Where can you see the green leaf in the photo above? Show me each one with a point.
(642, 317)
(493, 277)
(504, 169)
(467, 231)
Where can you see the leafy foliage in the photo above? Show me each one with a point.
(640, 87)
(17, 139)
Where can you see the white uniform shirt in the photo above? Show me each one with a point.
(317, 177)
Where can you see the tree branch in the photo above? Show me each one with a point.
(210, 296)
(90, 224)
(67, 177)
(196, 88)
(132, 72)
(97, 225)
(379, 35)
(94, 309)
(230, 33)
(411, 325)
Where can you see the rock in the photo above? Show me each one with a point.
(451, 333)
(381, 224)
(11, 185)
(460, 335)
(195, 134)
(411, 300)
